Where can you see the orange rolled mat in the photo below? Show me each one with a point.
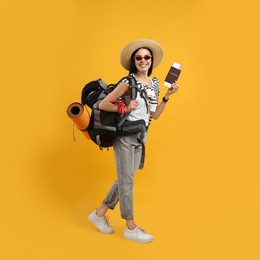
(80, 116)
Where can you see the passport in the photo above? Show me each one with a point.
(173, 74)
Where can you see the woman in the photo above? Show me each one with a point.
(139, 58)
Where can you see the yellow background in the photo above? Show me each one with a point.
(199, 192)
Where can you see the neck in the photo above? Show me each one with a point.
(141, 75)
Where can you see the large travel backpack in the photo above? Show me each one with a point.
(105, 126)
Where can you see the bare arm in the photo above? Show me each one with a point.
(160, 108)
(107, 105)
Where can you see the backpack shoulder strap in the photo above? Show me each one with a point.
(130, 78)
(133, 86)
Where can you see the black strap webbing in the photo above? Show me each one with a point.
(141, 164)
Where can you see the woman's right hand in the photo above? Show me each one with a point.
(132, 106)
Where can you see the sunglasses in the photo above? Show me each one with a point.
(146, 57)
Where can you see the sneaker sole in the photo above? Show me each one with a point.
(138, 240)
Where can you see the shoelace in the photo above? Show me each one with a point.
(142, 231)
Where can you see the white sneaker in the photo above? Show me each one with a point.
(138, 235)
(100, 222)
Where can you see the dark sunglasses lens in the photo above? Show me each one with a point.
(147, 57)
(138, 58)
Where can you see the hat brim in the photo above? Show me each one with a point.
(125, 56)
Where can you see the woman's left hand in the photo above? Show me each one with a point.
(173, 89)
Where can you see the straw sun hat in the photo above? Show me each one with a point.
(127, 51)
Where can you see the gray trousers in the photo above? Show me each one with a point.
(127, 152)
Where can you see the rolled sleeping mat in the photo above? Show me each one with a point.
(80, 116)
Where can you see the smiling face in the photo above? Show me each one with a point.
(143, 60)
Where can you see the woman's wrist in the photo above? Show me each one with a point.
(165, 99)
